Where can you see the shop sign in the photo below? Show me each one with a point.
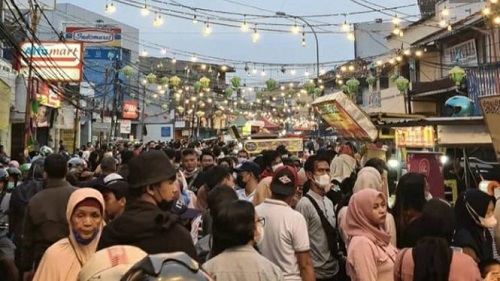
(342, 114)
(129, 109)
(54, 61)
(125, 126)
(257, 146)
(47, 95)
(420, 136)
(490, 107)
(428, 164)
(463, 54)
(68, 137)
(95, 36)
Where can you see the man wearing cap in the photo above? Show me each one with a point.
(148, 222)
(115, 193)
(247, 180)
(286, 240)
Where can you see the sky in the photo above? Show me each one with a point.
(230, 43)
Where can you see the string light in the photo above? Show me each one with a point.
(443, 23)
(407, 52)
(263, 73)
(163, 51)
(350, 36)
(145, 9)
(195, 20)
(306, 73)
(396, 20)
(396, 30)
(486, 11)
(158, 21)
(303, 39)
(295, 29)
(144, 53)
(255, 35)
(174, 60)
(194, 58)
(110, 8)
(244, 25)
(496, 20)
(293, 71)
(345, 26)
(351, 68)
(449, 28)
(445, 12)
(207, 30)
(418, 53)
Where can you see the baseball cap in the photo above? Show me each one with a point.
(181, 209)
(249, 166)
(285, 181)
(116, 184)
(111, 263)
(150, 167)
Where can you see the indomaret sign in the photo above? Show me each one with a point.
(110, 37)
(54, 61)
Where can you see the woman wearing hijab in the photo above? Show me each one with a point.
(432, 258)
(474, 211)
(370, 255)
(344, 164)
(63, 260)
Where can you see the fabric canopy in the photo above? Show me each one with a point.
(268, 124)
(238, 122)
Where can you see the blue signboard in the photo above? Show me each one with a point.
(102, 53)
(166, 132)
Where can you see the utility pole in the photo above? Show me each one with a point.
(116, 91)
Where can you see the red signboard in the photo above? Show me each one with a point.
(428, 164)
(129, 109)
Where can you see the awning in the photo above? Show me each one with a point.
(425, 89)
(240, 121)
(268, 124)
(431, 121)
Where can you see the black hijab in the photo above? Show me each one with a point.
(432, 254)
(469, 232)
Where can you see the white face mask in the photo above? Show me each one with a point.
(260, 235)
(323, 182)
(428, 196)
(275, 167)
(488, 222)
(242, 160)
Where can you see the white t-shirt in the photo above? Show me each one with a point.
(242, 195)
(285, 233)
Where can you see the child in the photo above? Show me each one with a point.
(490, 270)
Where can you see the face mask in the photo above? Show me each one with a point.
(323, 182)
(428, 196)
(260, 235)
(11, 185)
(240, 182)
(82, 241)
(275, 167)
(163, 204)
(488, 222)
(242, 160)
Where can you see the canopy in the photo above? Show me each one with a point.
(238, 122)
(268, 124)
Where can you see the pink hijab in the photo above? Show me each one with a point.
(64, 259)
(358, 217)
(368, 177)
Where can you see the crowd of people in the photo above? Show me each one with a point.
(208, 211)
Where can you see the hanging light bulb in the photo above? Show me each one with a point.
(379, 62)
(445, 12)
(396, 30)
(350, 36)
(306, 73)
(396, 20)
(158, 21)
(207, 29)
(144, 53)
(493, 1)
(418, 53)
(486, 11)
(303, 39)
(345, 26)
(401, 33)
(263, 73)
(163, 51)
(112, 7)
(407, 52)
(449, 28)
(244, 25)
(195, 20)
(496, 20)
(194, 58)
(254, 70)
(174, 60)
(295, 29)
(255, 35)
(443, 23)
(293, 71)
(145, 10)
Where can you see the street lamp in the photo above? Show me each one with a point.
(283, 14)
(144, 83)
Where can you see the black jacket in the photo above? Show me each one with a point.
(145, 226)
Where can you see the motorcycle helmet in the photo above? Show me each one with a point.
(45, 150)
(24, 168)
(462, 106)
(166, 267)
(74, 162)
(4, 176)
(14, 172)
(14, 163)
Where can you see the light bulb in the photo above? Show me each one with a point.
(163, 51)
(418, 53)
(396, 30)
(450, 28)
(295, 29)
(401, 33)
(392, 61)
(255, 36)
(379, 62)
(145, 10)
(263, 73)
(207, 30)
(174, 60)
(486, 11)
(158, 21)
(407, 52)
(244, 26)
(496, 20)
(306, 73)
(399, 58)
(144, 53)
(443, 23)
(351, 67)
(350, 36)
(445, 12)
(195, 20)
(493, 1)
(396, 20)
(254, 71)
(194, 58)
(293, 71)
(345, 26)
(303, 41)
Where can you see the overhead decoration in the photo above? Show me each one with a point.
(151, 78)
(228, 92)
(309, 87)
(352, 85)
(164, 81)
(271, 84)
(197, 87)
(371, 80)
(402, 84)
(457, 74)
(235, 81)
(199, 114)
(127, 70)
(164, 106)
(175, 81)
(205, 82)
(180, 109)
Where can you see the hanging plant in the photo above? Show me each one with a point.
(164, 80)
(148, 103)
(345, 89)
(218, 113)
(235, 81)
(394, 77)
(175, 81)
(259, 95)
(318, 92)
(205, 82)
(164, 106)
(133, 95)
(199, 114)
(352, 85)
(309, 87)
(197, 87)
(228, 92)
(127, 70)
(151, 78)
(371, 80)
(271, 84)
(402, 84)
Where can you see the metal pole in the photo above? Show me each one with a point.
(142, 111)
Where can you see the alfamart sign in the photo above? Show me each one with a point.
(95, 36)
(55, 61)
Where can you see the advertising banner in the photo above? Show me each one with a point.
(125, 126)
(89, 36)
(68, 137)
(342, 114)
(490, 107)
(257, 146)
(46, 95)
(55, 61)
(101, 53)
(415, 137)
(4, 106)
(428, 164)
(129, 109)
